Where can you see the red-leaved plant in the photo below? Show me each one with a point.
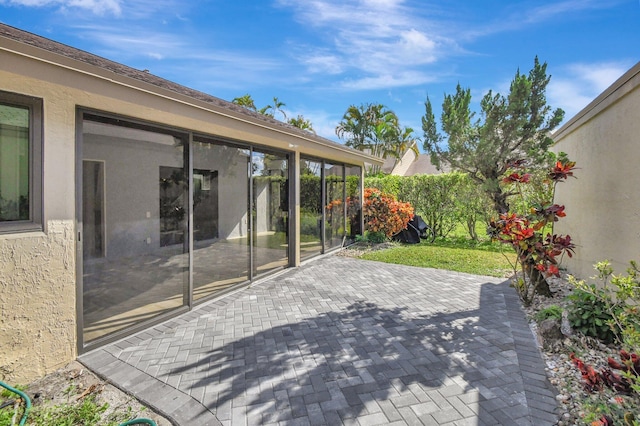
(538, 255)
(593, 380)
(383, 213)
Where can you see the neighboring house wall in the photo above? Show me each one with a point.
(411, 164)
(603, 203)
(402, 165)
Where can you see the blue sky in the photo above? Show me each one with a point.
(320, 56)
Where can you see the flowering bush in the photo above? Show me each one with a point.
(384, 213)
(538, 255)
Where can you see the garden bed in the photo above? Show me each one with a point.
(576, 405)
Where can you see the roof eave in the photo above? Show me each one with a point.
(241, 114)
(623, 85)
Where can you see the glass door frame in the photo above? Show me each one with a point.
(187, 136)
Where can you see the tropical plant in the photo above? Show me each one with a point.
(405, 141)
(301, 123)
(588, 314)
(511, 127)
(618, 296)
(375, 129)
(550, 312)
(245, 101)
(384, 213)
(537, 254)
(270, 110)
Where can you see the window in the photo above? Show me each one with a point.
(20, 163)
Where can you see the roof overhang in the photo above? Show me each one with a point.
(192, 98)
(623, 85)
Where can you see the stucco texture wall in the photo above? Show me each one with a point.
(37, 303)
(603, 204)
(37, 269)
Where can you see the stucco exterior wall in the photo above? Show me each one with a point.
(37, 302)
(37, 269)
(603, 203)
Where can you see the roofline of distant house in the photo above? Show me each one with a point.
(623, 85)
(38, 48)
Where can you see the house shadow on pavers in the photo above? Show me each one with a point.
(375, 364)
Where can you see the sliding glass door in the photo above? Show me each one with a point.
(270, 211)
(311, 206)
(169, 218)
(334, 195)
(135, 196)
(220, 232)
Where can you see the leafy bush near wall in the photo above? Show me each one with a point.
(442, 200)
(384, 214)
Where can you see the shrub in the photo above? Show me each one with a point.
(372, 237)
(536, 253)
(618, 295)
(442, 200)
(552, 311)
(309, 224)
(383, 213)
(589, 314)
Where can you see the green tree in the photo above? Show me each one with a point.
(245, 101)
(270, 110)
(301, 123)
(376, 129)
(355, 127)
(405, 141)
(509, 129)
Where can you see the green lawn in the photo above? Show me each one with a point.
(455, 253)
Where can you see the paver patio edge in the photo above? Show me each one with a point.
(178, 407)
(538, 390)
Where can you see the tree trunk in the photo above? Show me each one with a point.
(540, 283)
(500, 201)
(471, 227)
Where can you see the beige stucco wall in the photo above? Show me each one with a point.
(37, 270)
(603, 203)
(37, 302)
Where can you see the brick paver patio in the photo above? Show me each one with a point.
(342, 341)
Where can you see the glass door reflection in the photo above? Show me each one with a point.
(220, 231)
(269, 211)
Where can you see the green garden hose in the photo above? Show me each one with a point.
(139, 422)
(22, 395)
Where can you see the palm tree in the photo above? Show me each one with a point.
(245, 101)
(302, 123)
(355, 127)
(373, 128)
(406, 141)
(270, 110)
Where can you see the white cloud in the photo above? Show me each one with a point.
(98, 7)
(126, 10)
(561, 8)
(324, 63)
(384, 80)
(324, 124)
(383, 40)
(576, 85)
(514, 16)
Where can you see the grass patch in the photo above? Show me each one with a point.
(483, 258)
